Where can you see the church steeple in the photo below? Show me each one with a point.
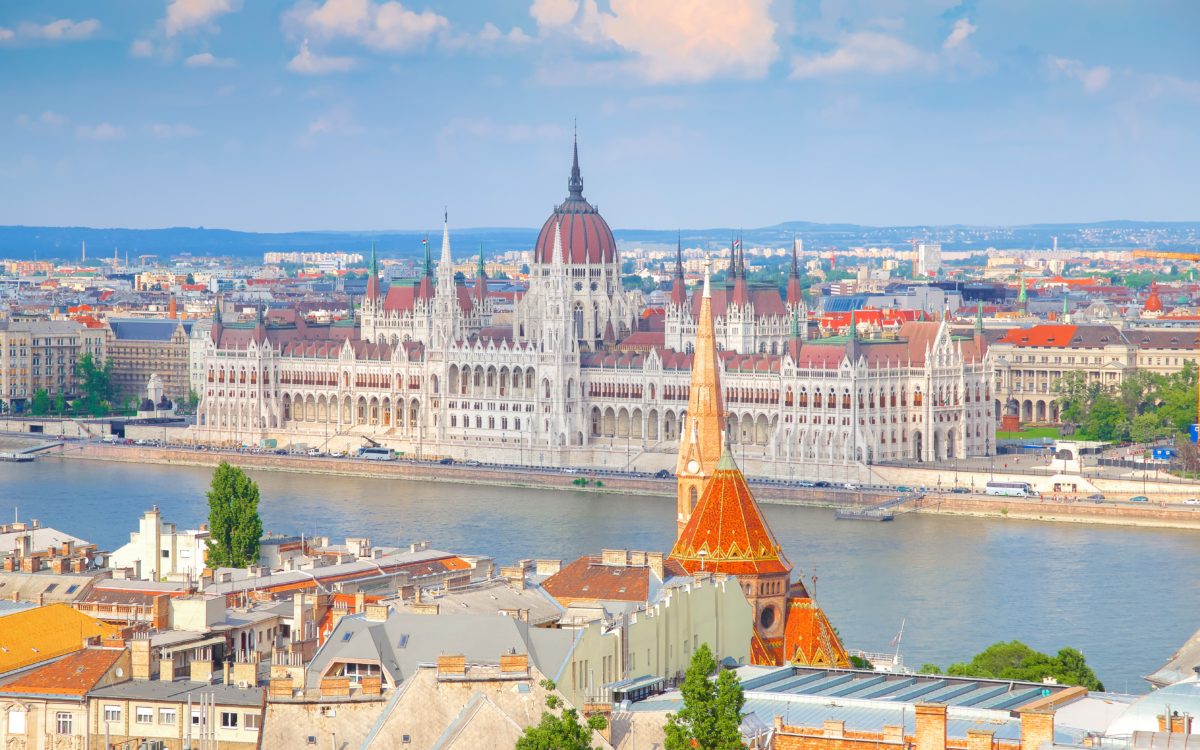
(678, 285)
(575, 183)
(373, 292)
(703, 435)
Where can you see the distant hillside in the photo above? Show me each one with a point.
(64, 242)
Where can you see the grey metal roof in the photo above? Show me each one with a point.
(481, 638)
(868, 701)
(147, 329)
(178, 691)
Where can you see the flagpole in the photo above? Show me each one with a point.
(899, 638)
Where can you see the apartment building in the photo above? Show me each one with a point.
(1029, 362)
(37, 353)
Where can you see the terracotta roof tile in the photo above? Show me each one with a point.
(73, 675)
(728, 527)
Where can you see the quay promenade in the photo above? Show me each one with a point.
(1166, 509)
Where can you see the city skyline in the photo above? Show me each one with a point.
(355, 114)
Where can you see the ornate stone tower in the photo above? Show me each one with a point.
(702, 437)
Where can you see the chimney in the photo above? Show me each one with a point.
(980, 739)
(1037, 729)
(615, 557)
(893, 734)
(360, 601)
(548, 567)
(451, 665)
(225, 672)
(377, 612)
(141, 664)
(655, 561)
(931, 727)
(834, 729)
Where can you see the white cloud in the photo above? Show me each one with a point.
(492, 33)
(208, 60)
(382, 26)
(868, 52)
(671, 40)
(167, 130)
(1092, 79)
(47, 120)
(553, 13)
(958, 35)
(141, 48)
(307, 62)
(336, 122)
(694, 40)
(62, 30)
(102, 132)
(185, 15)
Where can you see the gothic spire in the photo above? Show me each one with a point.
(795, 258)
(575, 184)
(428, 268)
(679, 255)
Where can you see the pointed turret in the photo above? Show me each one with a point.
(480, 278)
(703, 435)
(1023, 296)
(795, 297)
(741, 287)
(678, 284)
(373, 291)
(425, 289)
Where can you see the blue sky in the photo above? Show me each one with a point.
(360, 114)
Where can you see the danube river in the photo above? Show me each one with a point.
(1124, 596)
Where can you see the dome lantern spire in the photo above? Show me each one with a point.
(575, 184)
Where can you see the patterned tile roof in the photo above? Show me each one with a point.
(728, 527)
(809, 638)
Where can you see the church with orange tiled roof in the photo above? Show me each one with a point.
(722, 531)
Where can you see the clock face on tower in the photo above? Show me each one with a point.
(693, 466)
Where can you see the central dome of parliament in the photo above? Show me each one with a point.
(586, 238)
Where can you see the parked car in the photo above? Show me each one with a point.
(1192, 501)
(806, 483)
(446, 461)
(662, 474)
(1096, 498)
(959, 490)
(821, 484)
(902, 489)
(1139, 499)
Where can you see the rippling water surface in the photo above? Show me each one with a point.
(1124, 596)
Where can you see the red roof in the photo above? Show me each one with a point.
(73, 675)
(1042, 335)
(727, 532)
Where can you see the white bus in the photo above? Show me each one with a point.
(376, 454)
(1011, 489)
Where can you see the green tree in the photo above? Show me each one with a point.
(929, 668)
(41, 402)
(1016, 661)
(712, 709)
(95, 381)
(60, 403)
(560, 731)
(234, 527)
